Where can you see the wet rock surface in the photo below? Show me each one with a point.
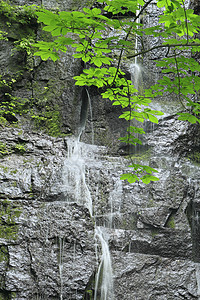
(56, 184)
(53, 254)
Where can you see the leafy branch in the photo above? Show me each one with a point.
(88, 35)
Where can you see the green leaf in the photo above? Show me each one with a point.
(188, 117)
(152, 118)
(141, 2)
(131, 178)
(148, 178)
(96, 61)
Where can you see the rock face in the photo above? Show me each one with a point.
(56, 191)
(53, 254)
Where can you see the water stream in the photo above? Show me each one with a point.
(75, 186)
(91, 115)
(76, 190)
(104, 276)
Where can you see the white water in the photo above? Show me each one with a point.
(115, 202)
(75, 185)
(60, 264)
(135, 69)
(104, 276)
(136, 74)
(91, 115)
(76, 190)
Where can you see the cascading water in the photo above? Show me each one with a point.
(135, 68)
(76, 190)
(115, 203)
(75, 187)
(104, 276)
(91, 116)
(60, 264)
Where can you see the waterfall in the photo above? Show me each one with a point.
(104, 277)
(75, 187)
(115, 202)
(91, 115)
(86, 105)
(76, 190)
(135, 69)
(60, 264)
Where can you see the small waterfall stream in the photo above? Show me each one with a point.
(76, 190)
(104, 276)
(91, 115)
(75, 186)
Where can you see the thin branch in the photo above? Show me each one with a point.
(164, 46)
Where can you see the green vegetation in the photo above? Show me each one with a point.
(96, 34)
(5, 149)
(16, 13)
(5, 295)
(195, 157)
(177, 27)
(19, 148)
(20, 24)
(171, 223)
(3, 253)
(8, 214)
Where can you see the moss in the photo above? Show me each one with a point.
(20, 132)
(7, 295)
(19, 148)
(14, 172)
(47, 114)
(3, 254)
(8, 214)
(89, 295)
(7, 150)
(4, 149)
(19, 20)
(5, 169)
(195, 157)
(151, 203)
(171, 223)
(154, 232)
(14, 184)
(89, 291)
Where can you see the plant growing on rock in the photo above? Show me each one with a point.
(8, 215)
(96, 33)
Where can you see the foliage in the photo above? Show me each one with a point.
(10, 106)
(3, 35)
(22, 14)
(21, 22)
(17, 18)
(95, 33)
(48, 119)
(24, 45)
(4, 150)
(195, 157)
(19, 148)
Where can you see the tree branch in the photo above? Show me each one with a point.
(164, 46)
